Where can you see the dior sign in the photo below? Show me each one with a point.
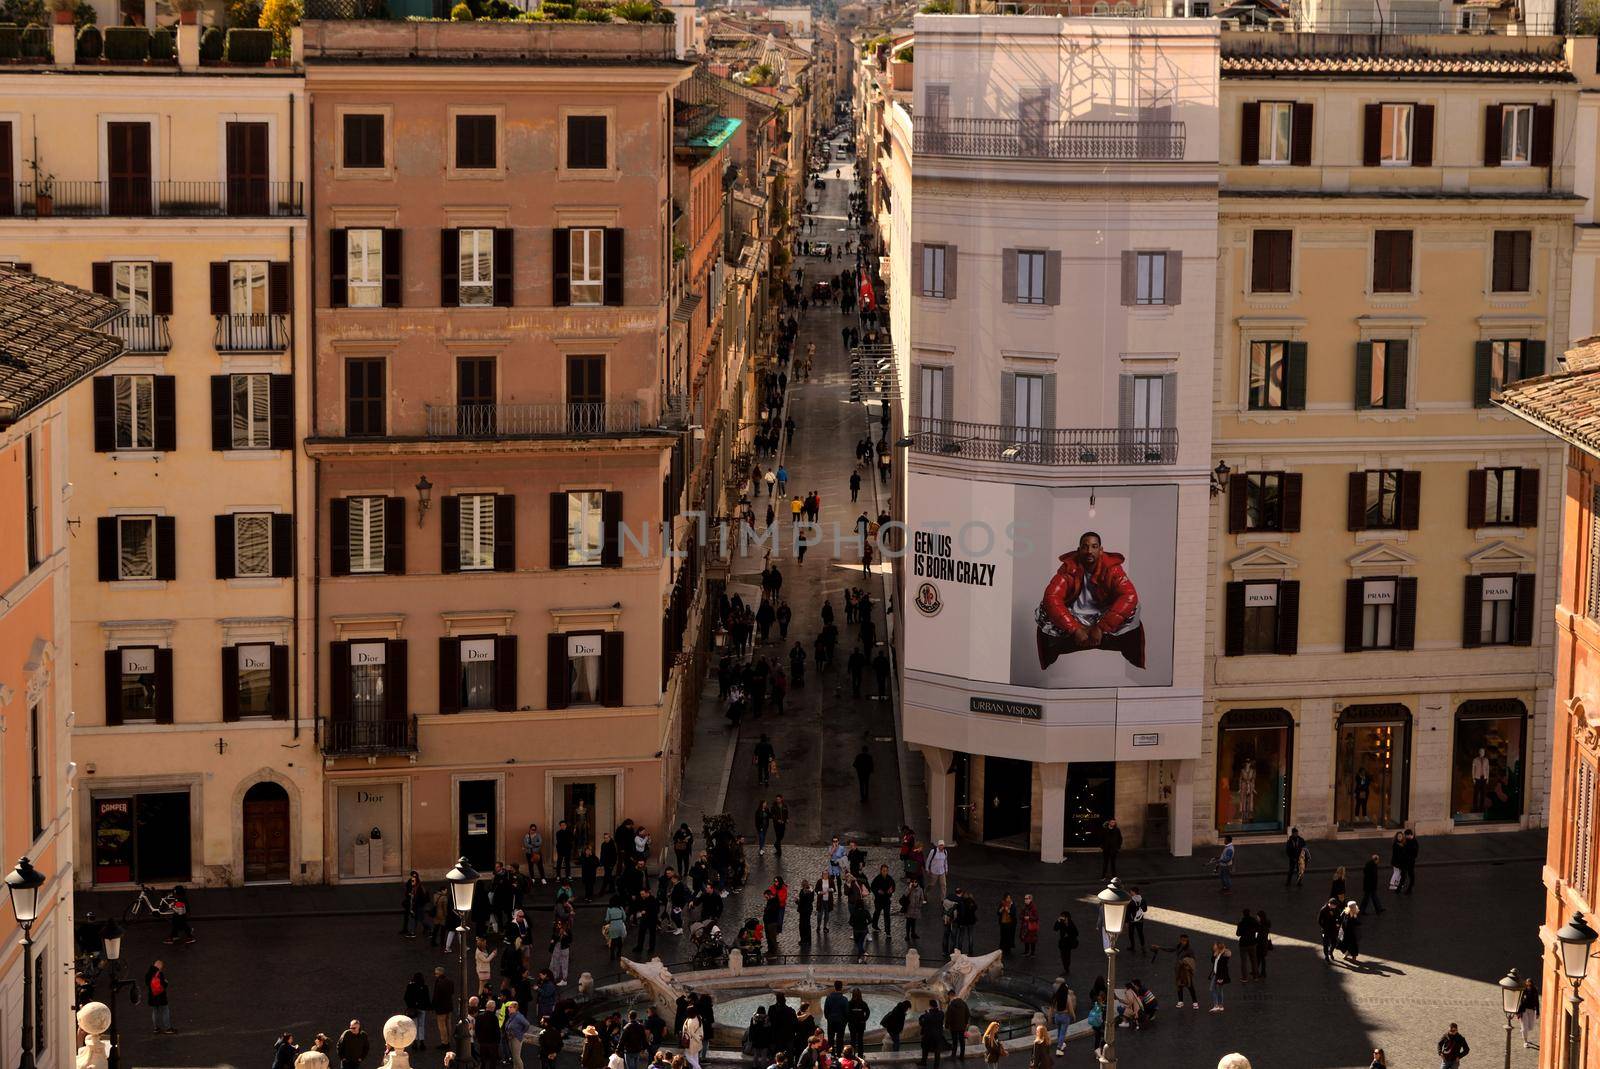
(368, 653)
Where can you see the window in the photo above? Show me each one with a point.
(933, 261)
(1505, 364)
(30, 501)
(252, 545)
(931, 398)
(1513, 258)
(138, 693)
(364, 141)
(35, 771)
(136, 547)
(477, 532)
(1583, 792)
(585, 669)
(135, 411)
(1487, 769)
(1028, 399)
(1383, 499)
(1268, 374)
(1260, 617)
(588, 265)
(1150, 278)
(1394, 137)
(1498, 612)
(247, 287)
(364, 397)
(368, 675)
(478, 657)
(1277, 121)
(477, 267)
(1377, 614)
(366, 534)
(131, 287)
(1030, 276)
(364, 280)
(1381, 372)
(586, 142)
(1272, 253)
(1391, 261)
(1500, 497)
(252, 411)
(1263, 507)
(475, 142)
(1516, 134)
(255, 680)
(1149, 396)
(585, 528)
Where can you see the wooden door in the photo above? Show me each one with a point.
(586, 394)
(248, 169)
(128, 171)
(266, 834)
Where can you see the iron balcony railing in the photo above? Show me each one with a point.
(1045, 445)
(1069, 139)
(255, 332)
(245, 197)
(554, 420)
(142, 333)
(369, 738)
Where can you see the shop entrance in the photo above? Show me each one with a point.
(142, 838)
(266, 834)
(588, 805)
(1374, 747)
(962, 763)
(475, 837)
(1007, 797)
(1091, 801)
(1254, 767)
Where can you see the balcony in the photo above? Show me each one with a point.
(252, 333)
(533, 420)
(369, 738)
(244, 198)
(142, 333)
(1070, 139)
(1074, 446)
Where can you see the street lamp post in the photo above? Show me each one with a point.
(1575, 938)
(1510, 994)
(1113, 908)
(23, 882)
(111, 943)
(463, 881)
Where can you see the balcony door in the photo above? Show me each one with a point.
(586, 394)
(475, 411)
(248, 168)
(128, 173)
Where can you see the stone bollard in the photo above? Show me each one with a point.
(94, 1019)
(311, 1059)
(1234, 1061)
(913, 959)
(586, 983)
(736, 960)
(399, 1032)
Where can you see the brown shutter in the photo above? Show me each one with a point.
(1405, 614)
(394, 535)
(393, 291)
(917, 283)
(1300, 129)
(1395, 370)
(221, 412)
(166, 547)
(1477, 491)
(1052, 277)
(109, 553)
(951, 256)
(161, 289)
(1422, 135)
(1527, 497)
(1174, 279)
(611, 668)
(1289, 616)
(1410, 500)
(1371, 134)
(397, 703)
(1493, 116)
(1354, 589)
(1238, 511)
(505, 673)
(338, 680)
(1250, 134)
(1472, 613)
(561, 266)
(504, 266)
(1356, 502)
(1290, 499)
(338, 268)
(1261, 250)
(1363, 394)
(100, 282)
(339, 536)
(280, 289)
(1130, 277)
(505, 532)
(113, 663)
(611, 269)
(1544, 134)
(223, 528)
(163, 686)
(280, 682)
(1008, 276)
(611, 533)
(280, 418)
(166, 410)
(1233, 621)
(449, 268)
(221, 282)
(449, 675)
(556, 671)
(558, 530)
(450, 533)
(283, 545)
(105, 414)
(230, 683)
(1524, 610)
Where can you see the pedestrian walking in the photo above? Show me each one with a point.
(1006, 916)
(1110, 847)
(1219, 975)
(780, 821)
(1350, 932)
(418, 1002)
(1225, 865)
(353, 1046)
(533, 851)
(1245, 932)
(880, 669)
(1291, 849)
(765, 755)
(1328, 924)
(284, 1052)
(914, 899)
(615, 925)
(1064, 1009)
(785, 615)
(863, 765)
(932, 1024)
(1138, 908)
(1066, 940)
(1028, 927)
(855, 485)
(442, 1002)
(1452, 1048)
(1408, 873)
(158, 996)
(1263, 943)
(1369, 884)
(1528, 1013)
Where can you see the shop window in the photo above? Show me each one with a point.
(141, 838)
(1487, 769)
(1373, 766)
(1254, 767)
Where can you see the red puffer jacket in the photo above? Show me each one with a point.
(1109, 584)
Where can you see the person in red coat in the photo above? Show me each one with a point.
(1090, 604)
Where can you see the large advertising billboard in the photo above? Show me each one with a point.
(1052, 587)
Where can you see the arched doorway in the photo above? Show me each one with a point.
(266, 833)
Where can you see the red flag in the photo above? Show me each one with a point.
(869, 303)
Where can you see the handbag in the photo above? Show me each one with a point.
(1394, 879)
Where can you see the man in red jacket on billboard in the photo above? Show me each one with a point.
(1090, 604)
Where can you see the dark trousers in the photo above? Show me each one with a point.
(1108, 863)
(836, 1036)
(1371, 896)
(646, 931)
(928, 1049)
(863, 781)
(1136, 935)
(958, 1042)
(880, 911)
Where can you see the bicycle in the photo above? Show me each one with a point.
(143, 904)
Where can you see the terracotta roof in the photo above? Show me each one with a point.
(1511, 66)
(49, 339)
(1566, 404)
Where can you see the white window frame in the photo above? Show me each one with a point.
(1377, 620)
(476, 532)
(1028, 395)
(364, 267)
(586, 264)
(933, 266)
(244, 567)
(368, 518)
(1269, 347)
(931, 395)
(1150, 278)
(1030, 276)
(1399, 149)
(1276, 132)
(138, 430)
(476, 265)
(1501, 489)
(584, 552)
(247, 675)
(1503, 354)
(1498, 617)
(1516, 135)
(132, 286)
(149, 570)
(1149, 397)
(247, 288)
(250, 425)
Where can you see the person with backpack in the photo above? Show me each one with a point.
(157, 993)
(1066, 940)
(1452, 1048)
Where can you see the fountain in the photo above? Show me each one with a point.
(658, 980)
(958, 976)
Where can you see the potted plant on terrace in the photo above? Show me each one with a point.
(66, 11)
(44, 191)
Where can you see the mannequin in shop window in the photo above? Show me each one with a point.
(1480, 781)
(580, 824)
(1360, 790)
(1247, 789)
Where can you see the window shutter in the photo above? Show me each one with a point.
(1493, 115)
(221, 281)
(161, 289)
(107, 527)
(1290, 502)
(1422, 135)
(449, 268)
(450, 533)
(1363, 374)
(282, 545)
(221, 412)
(1371, 134)
(113, 663)
(1395, 370)
(100, 282)
(1525, 610)
(1356, 502)
(1130, 277)
(947, 408)
(163, 686)
(1289, 616)
(105, 414)
(611, 530)
(339, 536)
(166, 547)
(1405, 614)
(1477, 491)
(916, 395)
(1482, 368)
(1410, 500)
(1238, 503)
(279, 680)
(166, 406)
(281, 420)
(1233, 621)
(449, 675)
(1300, 127)
(1354, 589)
(1174, 279)
(612, 268)
(505, 532)
(950, 252)
(504, 267)
(611, 668)
(1532, 358)
(280, 291)
(1052, 277)
(1250, 134)
(339, 680)
(230, 683)
(1008, 399)
(558, 530)
(1544, 134)
(1125, 401)
(394, 535)
(1261, 246)
(1008, 276)
(505, 673)
(561, 265)
(338, 269)
(225, 546)
(918, 284)
(1472, 613)
(1047, 400)
(1294, 390)
(393, 294)
(397, 704)
(1527, 497)
(556, 671)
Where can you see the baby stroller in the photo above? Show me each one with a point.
(750, 943)
(710, 952)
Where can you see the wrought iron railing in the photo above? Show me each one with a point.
(255, 332)
(142, 333)
(1045, 445)
(1069, 139)
(532, 420)
(245, 197)
(369, 737)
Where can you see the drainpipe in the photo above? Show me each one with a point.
(311, 421)
(294, 470)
